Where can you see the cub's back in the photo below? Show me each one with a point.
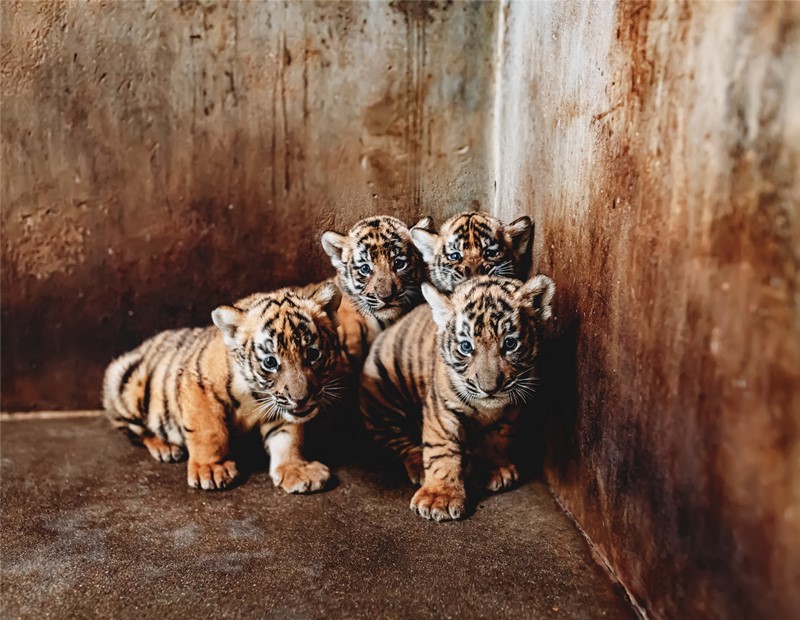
(400, 362)
(141, 378)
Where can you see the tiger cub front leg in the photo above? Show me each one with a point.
(207, 435)
(442, 495)
(287, 467)
(494, 449)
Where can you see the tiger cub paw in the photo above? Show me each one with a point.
(414, 467)
(300, 476)
(439, 503)
(162, 451)
(211, 476)
(502, 477)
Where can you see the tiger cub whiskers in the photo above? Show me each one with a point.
(271, 361)
(473, 243)
(450, 378)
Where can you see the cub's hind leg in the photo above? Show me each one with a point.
(207, 436)
(387, 421)
(287, 467)
(123, 391)
(412, 461)
(163, 451)
(400, 442)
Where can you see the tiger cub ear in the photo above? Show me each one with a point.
(328, 296)
(425, 239)
(228, 319)
(426, 223)
(518, 235)
(538, 293)
(334, 244)
(440, 304)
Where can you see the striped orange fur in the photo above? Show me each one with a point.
(473, 243)
(272, 361)
(448, 380)
(380, 272)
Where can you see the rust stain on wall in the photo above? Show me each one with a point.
(162, 158)
(666, 205)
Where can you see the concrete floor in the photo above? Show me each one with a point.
(92, 526)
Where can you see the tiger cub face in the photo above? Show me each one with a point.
(284, 347)
(379, 267)
(470, 244)
(487, 336)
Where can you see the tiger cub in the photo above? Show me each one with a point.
(272, 361)
(450, 378)
(473, 243)
(380, 272)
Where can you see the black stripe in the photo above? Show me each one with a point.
(144, 403)
(389, 423)
(126, 376)
(403, 386)
(407, 448)
(132, 422)
(228, 387)
(177, 384)
(483, 229)
(161, 432)
(270, 302)
(226, 406)
(397, 354)
(392, 394)
(203, 348)
(448, 454)
(274, 431)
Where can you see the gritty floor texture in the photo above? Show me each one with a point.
(93, 527)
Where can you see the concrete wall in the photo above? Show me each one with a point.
(657, 147)
(160, 158)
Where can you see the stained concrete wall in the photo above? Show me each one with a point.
(657, 147)
(159, 158)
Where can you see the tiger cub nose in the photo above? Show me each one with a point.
(300, 402)
(491, 391)
(386, 296)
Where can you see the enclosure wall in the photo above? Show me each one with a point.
(161, 158)
(657, 146)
